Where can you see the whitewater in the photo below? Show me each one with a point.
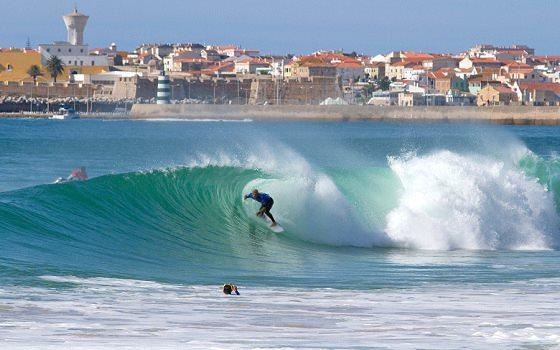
(397, 235)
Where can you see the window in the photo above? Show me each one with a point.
(82, 50)
(69, 50)
(58, 50)
(93, 63)
(75, 63)
(48, 50)
(10, 68)
(81, 63)
(69, 62)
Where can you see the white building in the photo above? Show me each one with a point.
(73, 52)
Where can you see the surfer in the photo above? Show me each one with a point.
(78, 174)
(266, 204)
(230, 289)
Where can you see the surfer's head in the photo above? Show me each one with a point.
(230, 289)
(255, 192)
(227, 289)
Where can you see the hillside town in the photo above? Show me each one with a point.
(71, 71)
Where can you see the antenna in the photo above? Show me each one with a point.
(28, 44)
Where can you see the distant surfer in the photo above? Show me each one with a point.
(266, 204)
(230, 289)
(78, 174)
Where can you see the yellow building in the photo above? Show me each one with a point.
(14, 64)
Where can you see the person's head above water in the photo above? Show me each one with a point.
(255, 192)
(230, 289)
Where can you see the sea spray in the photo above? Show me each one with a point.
(454, 201)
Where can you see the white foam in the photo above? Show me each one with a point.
(104, 313)
(453, 201)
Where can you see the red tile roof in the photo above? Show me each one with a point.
(540, 87)
(502, 89)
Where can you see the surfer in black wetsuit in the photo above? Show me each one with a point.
(266, 204)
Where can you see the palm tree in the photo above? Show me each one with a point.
(55, 67)
(34, 71)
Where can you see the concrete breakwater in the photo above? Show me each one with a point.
(515, 115)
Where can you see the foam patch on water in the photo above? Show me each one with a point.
(453, 201)
(106, 313)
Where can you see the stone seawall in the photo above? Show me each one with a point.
(517, 115)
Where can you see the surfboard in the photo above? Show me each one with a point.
(277, 228)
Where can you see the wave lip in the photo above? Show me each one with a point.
(452, 201)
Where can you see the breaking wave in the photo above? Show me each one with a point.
(164, 222)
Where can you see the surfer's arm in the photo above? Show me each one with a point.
(250, 195)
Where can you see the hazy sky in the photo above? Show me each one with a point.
(296, 26)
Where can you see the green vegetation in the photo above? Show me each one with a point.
(34, 71)
(55, 67)
(384, 84)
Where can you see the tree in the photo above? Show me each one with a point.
(55, 67)
(384, 84)
(34, 71)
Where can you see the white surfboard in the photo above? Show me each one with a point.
(277, 228)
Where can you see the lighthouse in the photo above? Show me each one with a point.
(75, 24)
(163, 89)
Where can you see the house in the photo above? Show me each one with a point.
(309, 66)
(223, 69)
(384, 98)
(495, 95)
(537, 94)
(438, 62)
(191, 64)
(350, 71)
(210, 55)
(251, 66)
(413, 72)
(513, 51)
(375, 70)
(395, 70)
(410, 99)
(444, 80)
(235, 51)
(478, 82)
(459, 98)
(378, 59)
(548, 60)
(158, 50)
(470, 62)
(466, 73)
(518, 71)
(173, 61)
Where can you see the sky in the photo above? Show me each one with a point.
(293, 26)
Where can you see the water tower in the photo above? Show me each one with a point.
(75, 24)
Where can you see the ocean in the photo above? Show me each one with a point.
(397, 235)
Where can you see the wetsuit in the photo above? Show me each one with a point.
(266, 202)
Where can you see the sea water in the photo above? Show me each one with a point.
(398, 235)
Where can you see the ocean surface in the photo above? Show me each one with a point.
(398, 235)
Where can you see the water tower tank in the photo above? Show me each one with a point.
(75, 24)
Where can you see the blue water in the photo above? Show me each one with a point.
(366, 206)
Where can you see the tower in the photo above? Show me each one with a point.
(75, 24)
(163, 89)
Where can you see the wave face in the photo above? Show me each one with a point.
(164, 223)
